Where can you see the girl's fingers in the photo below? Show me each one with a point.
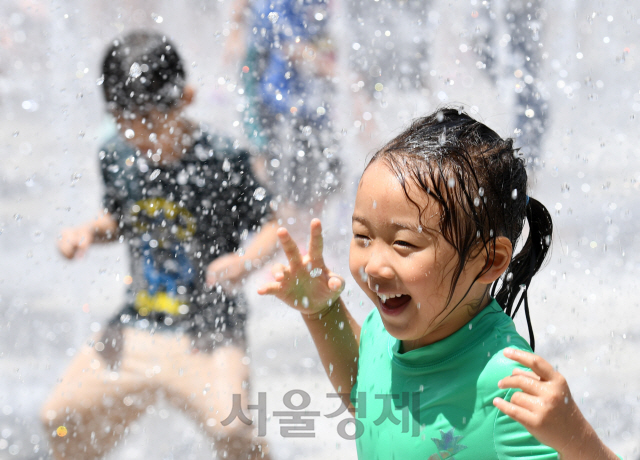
(289, 247)
(272, 288)
(526, 384)
(316, 243)
(519, 414)
(533, 362)
(336, 283)
(277, 268)
(520, 371)
(526, 401)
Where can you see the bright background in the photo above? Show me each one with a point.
(51, 122)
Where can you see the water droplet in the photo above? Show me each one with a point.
(226, 166)
(29, 182)
(17, 217)
(153, 137)
(100, 80)
(363, 276)
(341, 325)
(157, 18)
(529, 113)
(273, 17)
(514, 194)
(81, 135)
(129, 133)
(30, 105)
(135, 71)
(315, 272)
(305, 302)
(75, 177)
(15, 133)
(451, 182)
(509, 276)
(259, 193)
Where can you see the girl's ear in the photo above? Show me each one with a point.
(498, 260)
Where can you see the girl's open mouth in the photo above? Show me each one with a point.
(394, 305)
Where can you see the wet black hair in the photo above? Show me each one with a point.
(479, 181)
(142, 71)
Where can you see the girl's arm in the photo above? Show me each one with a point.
(336, 335)
(547, 410)
(308, 286)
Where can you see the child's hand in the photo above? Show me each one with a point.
(75, 241)
(547, 410)
(545, 406)
(305, 284)
(226, 271)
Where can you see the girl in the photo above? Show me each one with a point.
(437, 216)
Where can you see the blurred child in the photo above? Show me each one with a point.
(289, 62)
(182, 199)
(437, 216)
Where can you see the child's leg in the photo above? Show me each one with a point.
(95, 403)
(203, 384)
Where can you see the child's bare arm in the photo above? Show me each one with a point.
(231, 268)
(75, 241)
(547, 410)
(308, 286)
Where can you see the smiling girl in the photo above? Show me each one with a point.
(438, 369)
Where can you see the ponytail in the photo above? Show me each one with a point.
(515, 283)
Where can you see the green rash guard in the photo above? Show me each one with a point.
(436, 402)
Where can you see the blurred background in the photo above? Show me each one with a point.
(561, 77)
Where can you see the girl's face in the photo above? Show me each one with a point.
(406, 267)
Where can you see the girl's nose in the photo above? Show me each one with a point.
(378, 266)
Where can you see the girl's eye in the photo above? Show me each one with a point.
(404, 244)
(363, 239)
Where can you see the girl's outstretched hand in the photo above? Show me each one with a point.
(305, 284)
(547, 410)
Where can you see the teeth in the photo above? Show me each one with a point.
(384, 297)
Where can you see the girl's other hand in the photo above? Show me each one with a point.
(305, 284)
(547, 410)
